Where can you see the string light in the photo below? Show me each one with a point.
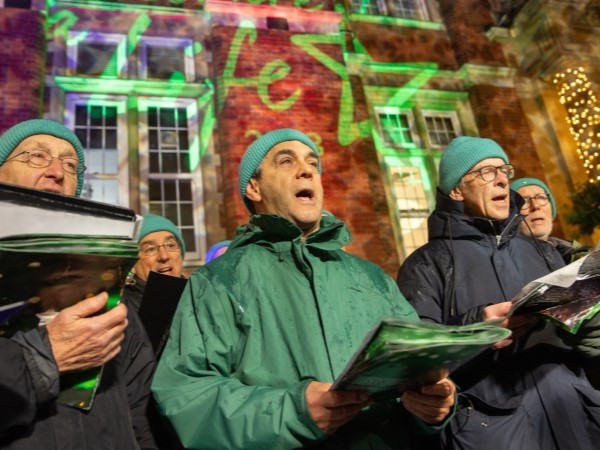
(583, 115)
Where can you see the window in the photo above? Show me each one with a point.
(397, 127)
(441, 128)
(166, 59)
(100, 125)
(410, 196)
(96, 54)
(169, 164)
(405, 9)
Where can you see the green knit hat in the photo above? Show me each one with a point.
(518, 184)
(461, 155)
(257, 151)
(21, 131)
(154, 222)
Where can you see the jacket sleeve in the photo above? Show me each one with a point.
(426, 279)
(422, 282)
(139, 368)
(29, 378)
(196, 388)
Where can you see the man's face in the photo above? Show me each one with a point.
(163, 261)
(52, 178)
(289, 185)
(487, 199)
(538, 220)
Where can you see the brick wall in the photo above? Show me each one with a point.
(21, 65)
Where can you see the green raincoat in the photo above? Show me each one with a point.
(259, 323)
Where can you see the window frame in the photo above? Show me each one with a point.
(75, 37)
(412, 126)
(452, 115)
(195, 174)
(120, 102)
(187, 44)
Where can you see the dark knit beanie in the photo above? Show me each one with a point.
(154, 222)
(257, 151)
(517, 184)
(461, 155)
(21, 131)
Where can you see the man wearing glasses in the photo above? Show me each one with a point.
(44, 155)
(516, 395)
(540, 211)
(162, 250)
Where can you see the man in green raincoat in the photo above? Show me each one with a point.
(261, 332)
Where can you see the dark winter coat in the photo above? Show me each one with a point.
(31, 419)
(509, 399)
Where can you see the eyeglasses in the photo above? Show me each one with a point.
(41, 159)
(490, 173)
(540, 200)
(150, 249)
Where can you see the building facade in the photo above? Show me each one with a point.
(166, 95)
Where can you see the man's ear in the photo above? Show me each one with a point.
(456, 194)
(253, 191)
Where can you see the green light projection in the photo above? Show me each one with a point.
(273, 71)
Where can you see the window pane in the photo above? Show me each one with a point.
(153, 139)
(96, 116)
(97, 58)
(169, 161)
(167, 117)
(182, 117)
(154, 190)
(152, 117)
(96, 139)
(111, 138)
(165, 63)
(80, 115)
(183, 139)
(110, 117)
(111, 162)
(189, 239)
(184, 162)
(82, 135)
(171, 211)
(170, 190)
(94, 161)
(185, 190)
(154, 162)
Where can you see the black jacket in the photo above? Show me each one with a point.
(30, 418)
(509, 398)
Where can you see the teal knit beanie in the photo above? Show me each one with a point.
(518, 184)
(461, 155)
(257, 151)
(154, 222)
(21, 131)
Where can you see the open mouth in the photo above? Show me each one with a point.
(306, 194)
(499, 198)
(165, 270)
